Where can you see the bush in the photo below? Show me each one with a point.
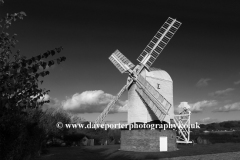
(20, 140)
(22, 134)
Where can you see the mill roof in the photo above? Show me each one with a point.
(159, 73)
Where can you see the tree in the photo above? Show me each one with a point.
(76, 119)
(20, 93)
(19, 76)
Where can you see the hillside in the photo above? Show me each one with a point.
(226, 125)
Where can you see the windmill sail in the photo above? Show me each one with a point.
(153, 105)
(100, 119)
(121, 62)
(159, 41)
(165, 105)
(182, 122)
(183, 129)
(158, 104)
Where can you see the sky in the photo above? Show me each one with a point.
(202, 58)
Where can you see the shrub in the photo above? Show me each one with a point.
(21, 133)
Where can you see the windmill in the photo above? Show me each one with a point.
(150, 94)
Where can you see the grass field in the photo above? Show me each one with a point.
(111, 152)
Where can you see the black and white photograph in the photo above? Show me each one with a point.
(119, 79)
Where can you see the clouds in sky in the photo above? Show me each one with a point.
(203, 82)
(207, 120)
(45, 97)
(199, 106)
(92, 102)
(179, 108)
(237, 82)
(53, 104)
(229, 108)
(221, 93)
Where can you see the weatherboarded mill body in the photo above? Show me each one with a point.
(150, 97)
(147, 140)
(161, 81)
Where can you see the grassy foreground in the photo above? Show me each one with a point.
(111, 152)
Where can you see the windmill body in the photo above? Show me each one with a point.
(138, 111)
(150, 95)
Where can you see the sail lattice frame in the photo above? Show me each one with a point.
(182, 122)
